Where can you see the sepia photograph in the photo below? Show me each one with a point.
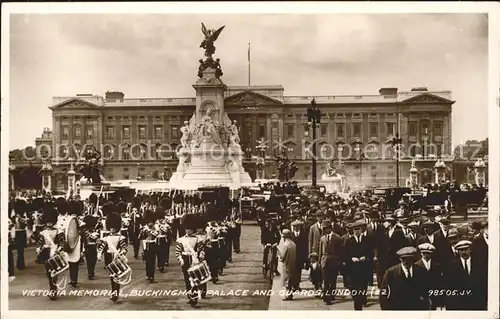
(247, 162)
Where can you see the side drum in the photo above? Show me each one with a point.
(199, 273)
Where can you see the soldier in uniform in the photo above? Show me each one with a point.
(187, 251)
(50, 242)
(90, 235)
(205, 242)
(10, 251)
(163, 239)
(148, 236)
(111, 246)
(136, 222)
(20, 208)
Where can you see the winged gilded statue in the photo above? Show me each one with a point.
(210, 38)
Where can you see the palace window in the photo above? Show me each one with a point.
(391, 129)
(425, 127)
(175, 131)
(126, 132)
(65, 134)
(125, 169)
(438, 128)
(324, 129)
(412, 128)
(306, 129)
(110, 132)
(373, 129)
(126, 153)
(142, 132)
(90, 131)
(290, 130)
(356, 129)
(78, 132)
(158, 132)
(340, 130)
(262, 131)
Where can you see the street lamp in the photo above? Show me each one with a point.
(360, 156)
(313, 118)
(396, 143)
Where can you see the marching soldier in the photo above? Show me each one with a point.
(204, 242)
(50, 242)
(187, 251)
(11, 237)
(238, 220)
(136, 222)
(20, 238)
(163, 239)
(112, 246)
(211, 251)
(90, 235)
(148, 236)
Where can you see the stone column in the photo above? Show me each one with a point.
(12, 185)
(413, 175)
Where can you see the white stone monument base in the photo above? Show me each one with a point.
(207, 165)
(332, 183)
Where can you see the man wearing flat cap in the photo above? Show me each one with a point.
(433, 274)
(358, 255)
(467, 277)
(330, 256)
(288, 255)
(412, 235)
(403, 287)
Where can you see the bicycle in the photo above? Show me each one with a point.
(270, 265)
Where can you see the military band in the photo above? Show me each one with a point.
(412, 254)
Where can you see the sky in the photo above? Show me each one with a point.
(330, 54)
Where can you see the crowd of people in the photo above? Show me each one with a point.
(416, 260)
(420, 260)
(205, 232)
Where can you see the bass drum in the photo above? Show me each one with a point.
(71, 232)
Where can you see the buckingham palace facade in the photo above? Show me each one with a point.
(138, 136)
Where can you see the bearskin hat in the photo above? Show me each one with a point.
(165, 203)
(20, 206)
(113, 220)
(149, 216)
(93, 199)
(160, 212)
(136, 202)
(121, 207)
(50, 215)
(190, 221)
(61, 205)
(154, 199)
(38, 204)
(108, 208)
(90, 221)
(75, 208)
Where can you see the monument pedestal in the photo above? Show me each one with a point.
(333, 184)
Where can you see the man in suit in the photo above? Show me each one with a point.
(428, 237)
(413, 236)
(434, 275)
(315, 233)
(444, 252)
(288, 258)
(300, 240)
(479, 247)
(403, 286)
(396, 240)
(358, 254)
(330, 256)
(468, 278)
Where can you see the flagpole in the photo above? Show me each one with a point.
(249, 64)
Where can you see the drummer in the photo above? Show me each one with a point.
(90, 235)
(205, 243)
(186, 251)
(73, 208)
(50, 242)
(112, 246)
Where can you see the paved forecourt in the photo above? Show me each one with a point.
(243, 274)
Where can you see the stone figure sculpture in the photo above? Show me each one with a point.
(211, 36)
(186, 135)
(234, 138)
(330, 169)
(207, 128)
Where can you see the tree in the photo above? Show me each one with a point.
(471, 149)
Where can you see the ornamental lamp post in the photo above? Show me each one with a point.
(396, 143)
(313, 118)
